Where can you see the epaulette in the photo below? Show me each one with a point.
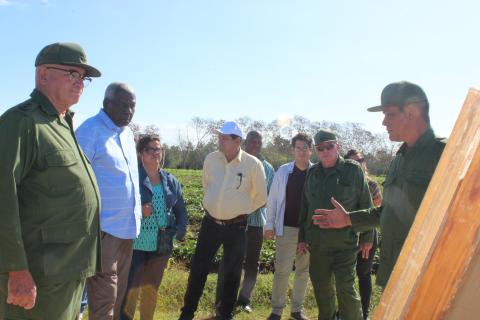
(27, 105)
(352, 162)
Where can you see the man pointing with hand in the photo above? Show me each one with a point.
(405, 108)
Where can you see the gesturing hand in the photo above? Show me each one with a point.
(335, 218)
(22, 290)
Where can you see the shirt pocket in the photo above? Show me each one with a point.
(346, 193)
(62, 170)
(64, 248)
(416, 185)
(241, 182)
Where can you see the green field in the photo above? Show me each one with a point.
(173, 287)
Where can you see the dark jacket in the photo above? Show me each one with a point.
(174, 203)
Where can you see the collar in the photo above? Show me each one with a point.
(109, 123)
(291, 165)
(146, 180)
(339, 165)
(237, 158)
(45, 105)
(425, 139)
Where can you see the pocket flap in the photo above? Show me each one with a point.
(61, 158)
(64, 233)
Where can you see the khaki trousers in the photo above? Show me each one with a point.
(106, 289)
(285, 256)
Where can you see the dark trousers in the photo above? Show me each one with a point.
(254, 241)
(364, 274)
(210, 238)
(145, 275)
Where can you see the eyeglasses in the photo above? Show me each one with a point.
(304, 148)
(328, 147)
(153, 151)
(74, 76)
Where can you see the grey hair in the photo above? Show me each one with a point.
(114, 87)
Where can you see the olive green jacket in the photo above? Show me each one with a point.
(49, 197)
(405, 185)
(348, 185)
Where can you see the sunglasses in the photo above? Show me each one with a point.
(328, 147)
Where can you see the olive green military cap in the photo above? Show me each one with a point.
(400, 94)
(66, 53)
(324, 135)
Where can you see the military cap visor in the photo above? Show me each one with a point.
(400, 94)
(70, 54)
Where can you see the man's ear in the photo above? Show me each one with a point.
(105, 102)
(413, 111)
(42, 74)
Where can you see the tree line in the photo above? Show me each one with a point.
(199, 139)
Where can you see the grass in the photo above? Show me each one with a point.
(173, 287)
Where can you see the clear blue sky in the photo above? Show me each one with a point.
(224, 59)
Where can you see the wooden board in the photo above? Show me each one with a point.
(439, 254)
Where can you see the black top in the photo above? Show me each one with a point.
(293, 197)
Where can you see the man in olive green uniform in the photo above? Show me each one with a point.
(49, 197)
(405, 107)
(333, 253)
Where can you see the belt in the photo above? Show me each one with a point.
(237, 219)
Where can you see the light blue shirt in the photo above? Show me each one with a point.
(276, 198)
(111, 151)
(257, 218)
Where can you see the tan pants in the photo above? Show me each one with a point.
(145, 275)
(106, 289)
(285, 255)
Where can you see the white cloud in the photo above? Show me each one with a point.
(284, 120)
(4, 3)
(44, 2)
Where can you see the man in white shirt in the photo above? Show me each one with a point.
(283, 209)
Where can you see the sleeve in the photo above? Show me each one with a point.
(363, 220)
(272, 203)
(205, 173)
(365, 203)
(86, 140)
(375, 192)
(302, 217)
(270, 173)
(19, 150)
(180, 211)
(259, 186)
